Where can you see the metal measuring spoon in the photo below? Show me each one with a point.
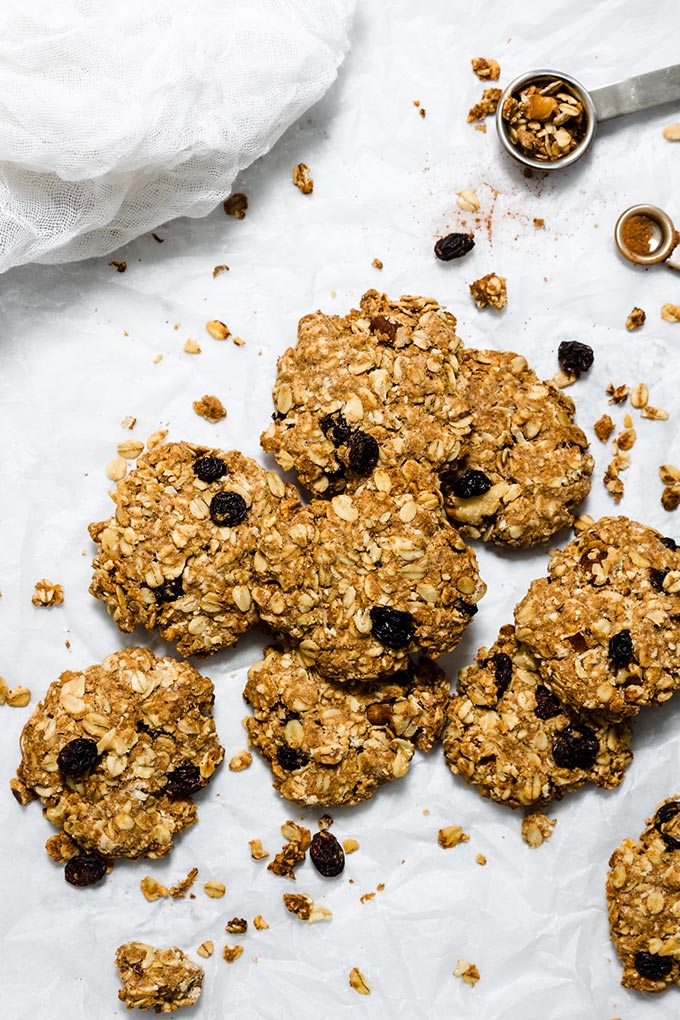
(664, 238)
(627, 96)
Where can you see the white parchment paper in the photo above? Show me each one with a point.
(78, 351)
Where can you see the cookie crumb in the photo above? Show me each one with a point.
(206, 949)
(489, 290)
(238, 342)
(152, 889)
(210, 407)
(467, 972)
(18, 697)
(232, 953)
(481, 127)
(670, 313)
(160, 979)
(672, 133)
(539, 223)
(487, 70)
(177, 891)
(260, 923)
(481, 859)
(612, 482)
(468, 201)
(214, 889)
(377, 264)
(128, 422)
(617, 394)
(486, 106)
(635, 319)
(218, 330)
(157, 360)
(350, 845)
(537, 828)
(47, 593)
(324, 822)
(220, 269)
(358, 982)
(240, 761)
(367, 897)
(236, 205)
(120, 267)
(451, 836)
(603, 427)
(191, 347)
(302, 180)
(422, 112)
(304, 907)
(256, 850)
(290, 856)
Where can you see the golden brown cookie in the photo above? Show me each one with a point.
(158, 979)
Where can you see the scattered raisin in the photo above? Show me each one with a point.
(385, 327)
(228, 509)
(169, 590)
(291, 758)
(652, 966)
(469, 608)
(183, 781)
(363, 452)
(667, 813)
(335, 428)
(326, 854)
(209, 469)
(85, 869)
(575, 747)
(575, 357)
(77, 756)
(472, 483)
(392, 627)
(657, 578)
(621, 649)
(453, 246)
(670, 543)
(502, 666)
(547, 705)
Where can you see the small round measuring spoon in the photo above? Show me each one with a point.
(547, 120)
(645, 234)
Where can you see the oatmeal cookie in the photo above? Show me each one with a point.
(178, 552)
(158, 979)
(330, 743)
(367, 392)
(509, 736)
(115, 752)
(643, 894)
(362, 580)
(605, 625)
(525, 465)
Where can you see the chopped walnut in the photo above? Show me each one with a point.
(256, 850)
(240, 761)
(537, 828)
(211, 408)
(358, 982)
(467, 972)
(486, 107)
(451, 836)
(236, 205)
(302, 180)
(191, 347)
(232, 953)
(47, 593)
(635, 319)
(618, 394)
(604, 427)
(489, 290)
(670, 313)
(260, 923)
(486, 69)
(237, 926)
(304, 907)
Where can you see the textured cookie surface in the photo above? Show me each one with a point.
(368, 392)
(643, 894)
(114, 753)
(362, 580)
(329, 742)
(605, 625)
(158, 979)
(512, 739)
(531, 461)
(178, 553)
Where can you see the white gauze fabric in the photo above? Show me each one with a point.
(115, 118)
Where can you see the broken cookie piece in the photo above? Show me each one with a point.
(158, 979)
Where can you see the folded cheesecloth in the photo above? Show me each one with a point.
(115, 118)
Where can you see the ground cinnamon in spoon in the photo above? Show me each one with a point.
(637, 232)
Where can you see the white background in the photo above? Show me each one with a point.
(78, 344)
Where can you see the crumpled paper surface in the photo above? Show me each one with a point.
(79, 345)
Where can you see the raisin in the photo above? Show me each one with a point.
(85, 869)
(670, 543)
(228, 509)
(577, 641)
(453, 246)
(547, 705)
(652, 966)
(667, 813)
(169, 590)
(575, 357)
(363, 452)
(502, 666)
(291, 758)
(77, 756)
(392, 627)
(335, 428)
(620, 649)
(209, 469)
(472, 483)
(404, 676)
(657, 578)
(183, 781)
(326, 854)
(575, 748)
(385, 327)
(469, 608)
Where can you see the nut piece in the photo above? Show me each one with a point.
(206, 949)
(489, 290)
(256, 851)
(218, 330)
(670, 313)
(350, 845)
(672, 132)
(603, 427)
(304, 907)
(237, 926)
(635, 319)
(467, 972)
(236, 205)
(486, 69)
(152, 889)
(241, 761)
(545, 120)
(231, 953)
(211, 408)
(358, 982)
(451, 836)
(618, 394)
(537, 828)
(259, 922)
(18, 697)
(468, 201)
(214, 889)
(47, 593)
(302, 180)
(486, 107)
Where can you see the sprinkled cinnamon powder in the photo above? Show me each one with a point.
(637, 232)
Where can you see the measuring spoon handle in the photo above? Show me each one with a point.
(637, 93)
